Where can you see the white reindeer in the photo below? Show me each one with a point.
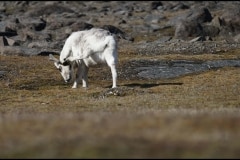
(83, 49)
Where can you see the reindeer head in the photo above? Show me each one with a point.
(65, 68)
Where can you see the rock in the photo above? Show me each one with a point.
(118, 32)
(2, 73)
(44, 26)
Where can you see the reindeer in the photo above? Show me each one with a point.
(84, 49)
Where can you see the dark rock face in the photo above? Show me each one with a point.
(118, 32)
(44, 26)
(230, 21)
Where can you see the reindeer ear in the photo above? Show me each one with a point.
(69, 60)
(66, 62)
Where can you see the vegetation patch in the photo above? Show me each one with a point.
(43, 117)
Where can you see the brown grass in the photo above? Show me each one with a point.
(194, 116)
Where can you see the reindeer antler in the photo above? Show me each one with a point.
(52, 58)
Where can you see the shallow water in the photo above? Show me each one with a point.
(176, 68)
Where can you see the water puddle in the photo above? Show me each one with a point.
(171, 69)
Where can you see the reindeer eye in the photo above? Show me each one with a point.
(60, 68)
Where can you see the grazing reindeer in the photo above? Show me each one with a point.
(86, 48)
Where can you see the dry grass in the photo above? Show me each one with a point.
(195, 116)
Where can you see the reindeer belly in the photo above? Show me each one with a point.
(94, 60)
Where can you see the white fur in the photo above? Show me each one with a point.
(87, 48)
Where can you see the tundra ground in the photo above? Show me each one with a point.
(193, 116)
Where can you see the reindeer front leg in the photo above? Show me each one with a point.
(78, 76)
(82, 72)
(85, 76)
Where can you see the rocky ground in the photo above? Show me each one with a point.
(144, 28)
(155, 27)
